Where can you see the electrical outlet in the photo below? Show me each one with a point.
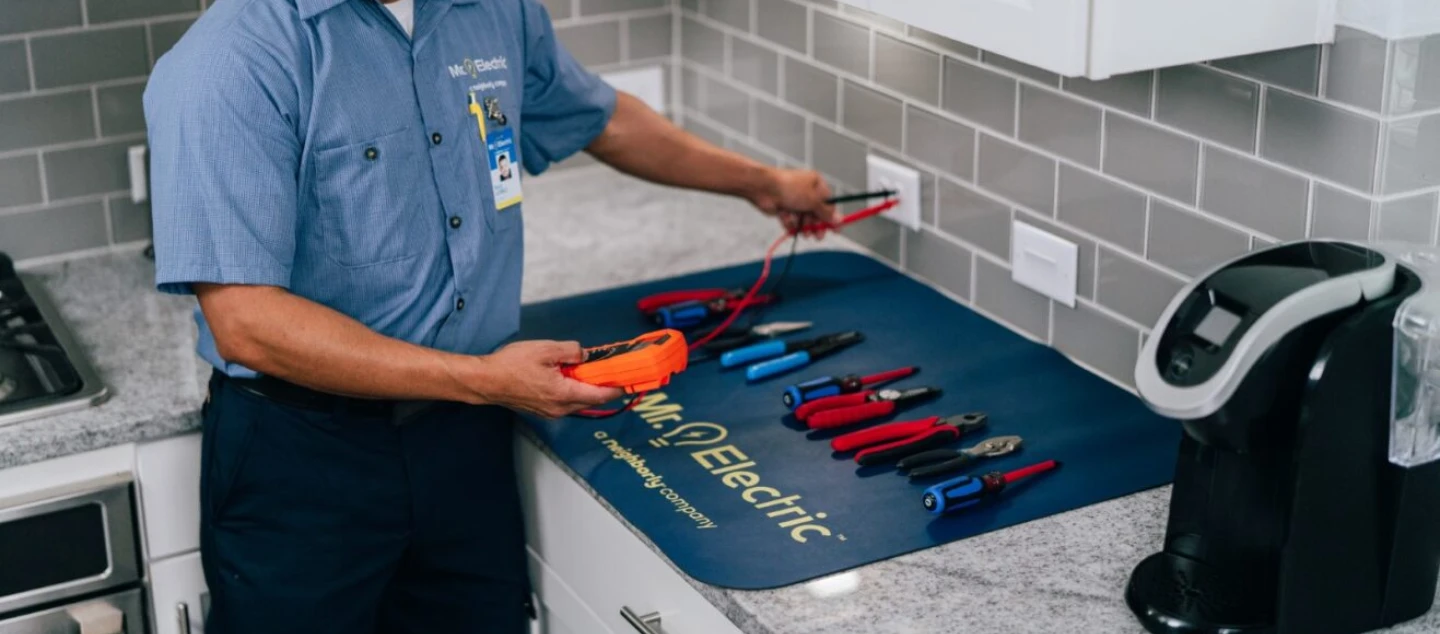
(883, 173)
(1044, 262)
(646, 83)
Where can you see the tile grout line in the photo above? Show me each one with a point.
(73, 145)
(1309, 209)
(624, 32)
(44, 184)
(109, 221)
(1260, 118)
(96, 28)
(84, 13)
(63, 202)
(30, 63)
(73, 88)
(1145, 245)
(95, 111)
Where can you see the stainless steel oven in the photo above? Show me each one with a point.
(70, 563)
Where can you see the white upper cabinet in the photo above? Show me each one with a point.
(1101, 38)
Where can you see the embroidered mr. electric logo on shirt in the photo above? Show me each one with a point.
(499, 145)
(473, 68)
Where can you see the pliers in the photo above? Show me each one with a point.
(848, 409)
(894, 441)
(649, 304)
(802, 393)
(692, 313)
(778, 357)
(945, 461)
(739, 338)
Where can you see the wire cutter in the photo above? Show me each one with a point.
(848, 409)
(779, 357)
(739, 338)
(893, 441)
(945, 461)
(801, 393)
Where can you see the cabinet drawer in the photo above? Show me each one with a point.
(178, 595)
(169, 474)
(595, 555)
(560, 610)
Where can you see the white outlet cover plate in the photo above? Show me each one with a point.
(1044, 262)
(883, 173)
(646, 83)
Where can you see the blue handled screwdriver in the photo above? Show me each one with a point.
(968, 491)
(801, 354)
(779, 348)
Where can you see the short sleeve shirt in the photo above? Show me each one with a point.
(314, 146)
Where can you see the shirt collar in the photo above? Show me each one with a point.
(311, 8)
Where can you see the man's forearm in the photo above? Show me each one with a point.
(288, 337)
(642, 143)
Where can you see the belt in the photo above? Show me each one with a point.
(300, 397)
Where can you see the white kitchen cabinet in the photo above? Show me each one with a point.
(1101, 38)
(169, 475)
(592, 566)
(178, 595)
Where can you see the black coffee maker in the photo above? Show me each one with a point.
(1306, 497)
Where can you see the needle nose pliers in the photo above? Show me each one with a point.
(946, 461)
(742, 337)
(893, 441)
(802, 393)
(848, 409)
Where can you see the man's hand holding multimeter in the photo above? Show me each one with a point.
(525, 376)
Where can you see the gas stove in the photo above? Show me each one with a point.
(42, 370)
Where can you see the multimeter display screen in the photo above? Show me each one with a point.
(1217, 326)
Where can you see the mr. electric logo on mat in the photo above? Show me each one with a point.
(728, 462)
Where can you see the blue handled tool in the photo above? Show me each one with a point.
(801, 393)
(691, 313)
(801, 354)
(968, 491)
(773, 349)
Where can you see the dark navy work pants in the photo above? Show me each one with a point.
(336, 523)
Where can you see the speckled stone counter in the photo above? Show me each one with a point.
(592, 229)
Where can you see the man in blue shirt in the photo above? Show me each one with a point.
(334, 180)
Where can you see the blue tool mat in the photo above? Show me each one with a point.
(665, 467)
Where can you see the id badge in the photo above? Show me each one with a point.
(499, 152)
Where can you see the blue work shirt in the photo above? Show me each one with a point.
(314, 146)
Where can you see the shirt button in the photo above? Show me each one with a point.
(454, 222)
(460, 304)
(371, 153)
(436, 138)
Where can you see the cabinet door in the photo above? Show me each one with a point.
(178, 595)
(1130, 35)
(560, 610)
(169, 473)
(1050, 34)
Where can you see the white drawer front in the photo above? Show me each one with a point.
(178, 594)
(169, 474)
(598, 558)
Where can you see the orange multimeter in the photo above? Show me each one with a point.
(641, 364)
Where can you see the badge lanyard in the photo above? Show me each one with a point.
(499, 151)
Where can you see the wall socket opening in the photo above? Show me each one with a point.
(883, 173)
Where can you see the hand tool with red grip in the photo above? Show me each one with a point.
(651, 303)
(848, 409)
(893, 441)
(694, 313)
(966, 492)
(947, 461)
(802, 393)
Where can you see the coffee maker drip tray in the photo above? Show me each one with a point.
(1173, 593)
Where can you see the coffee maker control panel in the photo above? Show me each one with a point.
(1217, 327)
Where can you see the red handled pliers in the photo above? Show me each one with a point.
(848, 409)
(651, 303)
(895, 441)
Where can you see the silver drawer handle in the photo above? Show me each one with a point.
(182, 617)
(648, 624)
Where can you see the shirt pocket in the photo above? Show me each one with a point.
(369, 199)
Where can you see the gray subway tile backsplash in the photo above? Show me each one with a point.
(974, 217)
(872, 18)
(45, 120)
(939, 260)
(120, 109)
(999, 295)
(38, 15)
(907, 68)
(941, 142)
(1413, 154)
(1021, 68)
(1017, 173)
(14, 67)
(1320, 139)
(101, 11)
(1060, 124)
(1130, 92)
(87, 170)
(595, 7)
(1409, 219)
(1356, 71)
(1189, 243)
(838, 156)
(942, 43)
(89, 56)
(558, 9)
(734, 13)
(594, 44)
(873, 115)
(1339, 214)
(129, 222)
(691, 88)
(811, 88)
(164, 35)
(763, 155)
(755, 65)
(1133, 288)
(780, 129)
(1294, 68)
(20, 181)
(704, 130)
(1415, 80)
(882, 238)
(728, 105)
(1210, 104)
(1102, 208)
(1098, 341)
(980, 95)
(842, 44)
(1254, 194)
(650, 37)
(702, 44)
(1151, 157)
(1085, 251)
(783, 22)
(53, 231)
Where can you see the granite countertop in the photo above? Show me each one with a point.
(591, 229)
